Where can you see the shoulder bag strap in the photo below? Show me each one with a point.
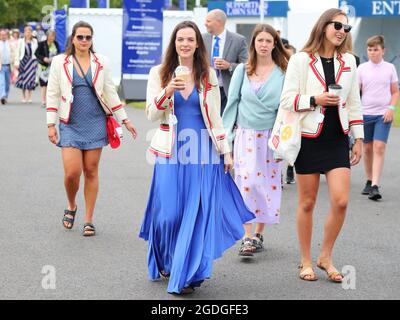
(90, 85)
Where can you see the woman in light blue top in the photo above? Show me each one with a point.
(249, 116)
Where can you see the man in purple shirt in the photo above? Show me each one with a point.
(379, 94)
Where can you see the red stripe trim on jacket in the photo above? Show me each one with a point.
(208, 85)
(117, 107)
(220, 137)
(51, 109)
(314, 69)
(296, 102)
(159, 103)
(66, 69)
(99, 67)
(355, 122)
(96, 61)
(319, 129)
(164, 127)
(341, 67)
(159, 153)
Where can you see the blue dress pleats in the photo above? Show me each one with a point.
(195, 211)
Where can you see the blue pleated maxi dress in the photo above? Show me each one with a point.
(195, 211)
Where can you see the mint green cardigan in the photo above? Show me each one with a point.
(248, 109)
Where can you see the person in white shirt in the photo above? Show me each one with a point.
(6, 59)
(225, 49)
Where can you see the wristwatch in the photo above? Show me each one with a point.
(313, 104)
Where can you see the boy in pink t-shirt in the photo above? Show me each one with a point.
(379, 94)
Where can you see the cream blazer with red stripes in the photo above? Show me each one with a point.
(60, 98)
(305, 78)
(159, 107)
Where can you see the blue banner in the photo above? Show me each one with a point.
(371, 8)
(78, 4)
(60, 26)
(142, 36)
(250, 8)
(167, 3)
(183, 5)
(102, 3)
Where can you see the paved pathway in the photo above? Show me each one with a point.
(113, 264)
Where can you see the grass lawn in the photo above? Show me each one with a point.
(397, 116)
(137, 104)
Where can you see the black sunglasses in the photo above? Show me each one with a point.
(81, 38)
(338, 26)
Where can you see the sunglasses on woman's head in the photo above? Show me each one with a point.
(338, 26)
(81, 37)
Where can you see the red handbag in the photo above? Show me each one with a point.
(114, 132)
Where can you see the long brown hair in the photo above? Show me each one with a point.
(317, 36)
(171, 59)
(70, 50)
(279, 55)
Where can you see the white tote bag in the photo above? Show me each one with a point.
(285, 139)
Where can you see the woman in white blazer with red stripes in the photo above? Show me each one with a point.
(326, 122)
(72, 100)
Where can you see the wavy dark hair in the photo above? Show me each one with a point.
(70, 50)
(279, 55)
(317, 36)
(171, 59)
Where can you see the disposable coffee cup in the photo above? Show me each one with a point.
(182, 72)
(335, 89)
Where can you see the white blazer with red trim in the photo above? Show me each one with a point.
(305, 78)
(159, 107)
(59, 89)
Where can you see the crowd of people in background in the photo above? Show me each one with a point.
(25, 60)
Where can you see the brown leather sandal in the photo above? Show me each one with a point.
(307, 276)
(332, 276)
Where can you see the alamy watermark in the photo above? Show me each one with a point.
(49, 279)
(349, 279)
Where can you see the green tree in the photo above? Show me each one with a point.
(15, 13)
(191, 3)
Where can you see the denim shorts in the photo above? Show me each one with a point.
(375, 129)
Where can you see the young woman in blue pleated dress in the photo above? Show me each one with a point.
(194, 211)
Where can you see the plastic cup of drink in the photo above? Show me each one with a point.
(216, 59)
(182, 72)
(335, 89)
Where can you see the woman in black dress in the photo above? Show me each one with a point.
(327, 119)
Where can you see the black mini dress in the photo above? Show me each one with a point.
(330, 149)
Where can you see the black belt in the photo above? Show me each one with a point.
(6, 65)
